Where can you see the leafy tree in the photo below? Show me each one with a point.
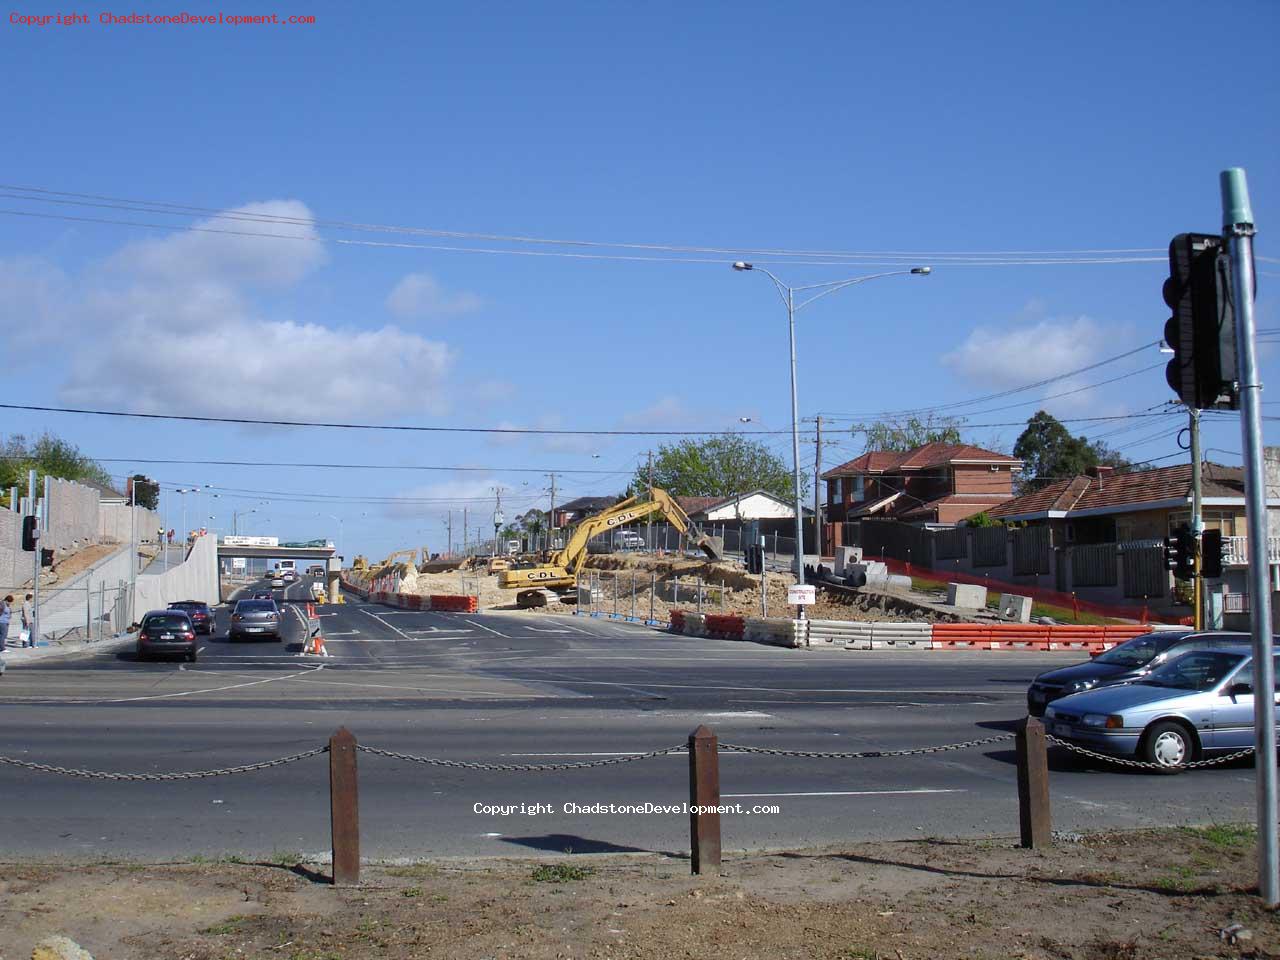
(720, 466)
(1049, 452)
(982, 519)
(50, 456)
(146, 492)
(909, 433)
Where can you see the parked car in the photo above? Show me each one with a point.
(1122, 663)
(628, 540)
(1196, 704)
(202, 617)
(255, 618)
(166, 632)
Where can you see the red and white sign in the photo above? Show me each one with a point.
(802, 595)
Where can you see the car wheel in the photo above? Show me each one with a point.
(191, 657)
(1169, 745)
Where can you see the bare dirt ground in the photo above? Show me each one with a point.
(1177, 894)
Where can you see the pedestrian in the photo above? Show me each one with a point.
(5, 612)
(29, 620)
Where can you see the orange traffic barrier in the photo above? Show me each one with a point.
(724, 626)
(677, 621)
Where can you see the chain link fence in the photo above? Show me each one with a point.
(78, 611)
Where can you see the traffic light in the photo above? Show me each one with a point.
(755, 558)
(1201, 331)
(1170, 553)
(30, 533)
(1186, 568)
(1211, 554)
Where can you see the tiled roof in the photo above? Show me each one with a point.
(921, 458)
(979, 502)
(587, 503)
(698, 504)
(1125, 490)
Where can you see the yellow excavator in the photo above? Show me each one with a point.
(560, 571)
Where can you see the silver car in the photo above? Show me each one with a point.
(1197, 704)
(255, 618)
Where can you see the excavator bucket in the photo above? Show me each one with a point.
(713, 547)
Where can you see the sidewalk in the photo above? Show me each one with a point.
(18, 656)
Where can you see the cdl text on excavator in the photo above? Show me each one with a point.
(559, 573)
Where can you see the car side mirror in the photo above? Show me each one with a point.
(1239, 689)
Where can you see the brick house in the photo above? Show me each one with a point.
(939, 483)
(570, 513)
(1102, 506)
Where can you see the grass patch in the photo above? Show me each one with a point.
(285, 858)
(227, 926)
(233, 858)
(411, 892)
(559, 873)
(1225, 835)
(1061, 614)
(1179, 879)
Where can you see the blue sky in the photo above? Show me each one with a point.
(948, 129)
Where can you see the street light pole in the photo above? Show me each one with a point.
(787, 293)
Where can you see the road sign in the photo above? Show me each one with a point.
(802, 595)
(250, 541)
(238, 563)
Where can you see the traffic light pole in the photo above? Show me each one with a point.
(1238, 230)
(1197, 524)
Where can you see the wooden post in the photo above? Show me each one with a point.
(344, 808)
(704, 795)
(1034, 822)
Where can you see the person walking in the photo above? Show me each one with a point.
(6, 611)
(29, 619)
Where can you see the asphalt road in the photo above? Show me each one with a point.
(532, 688)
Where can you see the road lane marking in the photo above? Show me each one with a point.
(387, 625)
(840, 793)
(184, 693)
(490, 629)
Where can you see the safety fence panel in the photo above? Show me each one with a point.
(1145, 574)
(1030, 551)
(951, 544)
(990, 547)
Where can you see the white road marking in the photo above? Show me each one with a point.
(387, 625)
(742, 714)
(185, 693)
(490, 629)
(840, 793)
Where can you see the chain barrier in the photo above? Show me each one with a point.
(519, 767)
(1145, 764)
(185, 775)
(866, 754)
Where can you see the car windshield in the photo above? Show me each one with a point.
(1132, 653)
(254, 606)
(187, 606)
(173, 621)
(1200, 670)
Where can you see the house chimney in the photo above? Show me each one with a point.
(1100, 473)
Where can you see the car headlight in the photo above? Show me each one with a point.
(1083, 685)
(1111, 721)
(1050, 712)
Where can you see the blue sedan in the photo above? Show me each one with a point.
(1198, 704)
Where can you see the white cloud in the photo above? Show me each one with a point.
(167, 324)
(234, 255)
(1015, 355)
(667, 412)
(420, 295)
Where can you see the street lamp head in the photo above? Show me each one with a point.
(744, 419)
(742, 265)
(922, 271)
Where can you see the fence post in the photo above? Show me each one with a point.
(615, 596)
(653, 590)
(633, 596)
(704, 796)
(88, 612)
(722, 596)
(577, 592)
(344, 808)
(1034, 823)
(699, 588)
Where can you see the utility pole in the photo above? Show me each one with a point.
(817, 495)
(133, 546)
(498, 518)
(34, 639)
(449, 523)
(551, 517)
(1238, 231)
(1197, 523)
(649, 522)
(464, 531)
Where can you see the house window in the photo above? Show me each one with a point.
(859, 490)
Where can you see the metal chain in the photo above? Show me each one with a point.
(519, 767)
(186, 775)
(1144, 764)
(867, 754)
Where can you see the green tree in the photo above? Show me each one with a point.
(1049, 452)
(146, 492)
(49, 456)
(908, 433)
(720, 466)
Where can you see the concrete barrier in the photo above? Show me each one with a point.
(902, 636)
(850, 634)
(776, 633)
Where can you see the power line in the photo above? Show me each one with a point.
(329, 466)
(42, 195)
(524, 431)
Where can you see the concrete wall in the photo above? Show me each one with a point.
(71, 515)
(113, 523)
(195, 579)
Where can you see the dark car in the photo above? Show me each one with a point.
(166, 633)
(255, 618)
(199, 612)
(1126, 662)
(263, 595)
